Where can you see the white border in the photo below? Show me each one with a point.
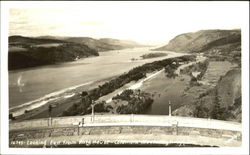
(66, 4)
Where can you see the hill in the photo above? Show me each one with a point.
(224, 100)
(215, 44)
(94, 43)
(101, 45)
(30, 52)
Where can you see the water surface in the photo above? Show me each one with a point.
(26, 85)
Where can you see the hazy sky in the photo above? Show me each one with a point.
(145, 22)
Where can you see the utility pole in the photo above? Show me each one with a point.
(50, 119)
(169, 108)
(93, 106)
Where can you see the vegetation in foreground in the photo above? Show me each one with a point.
(221, 102)
(136, 101)
(225, 99)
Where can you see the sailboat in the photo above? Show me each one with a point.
(19, 83)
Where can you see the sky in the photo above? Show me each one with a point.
(144, 22)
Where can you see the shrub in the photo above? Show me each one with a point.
(11, 117)
(138, 102)
(201, 111)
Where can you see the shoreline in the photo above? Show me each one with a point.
(60, 103)
(71, 95)
(19, 109)
(132, 85)
(67, 100)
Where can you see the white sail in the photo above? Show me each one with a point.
(20, 84)
(19, 80)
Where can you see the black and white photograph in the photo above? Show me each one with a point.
(168, 76)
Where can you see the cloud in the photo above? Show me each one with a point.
(140, 21)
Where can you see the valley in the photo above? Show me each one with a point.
(196, 87)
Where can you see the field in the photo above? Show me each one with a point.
(165, 90)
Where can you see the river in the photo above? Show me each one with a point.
(38, 83)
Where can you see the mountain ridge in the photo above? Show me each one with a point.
(194, 41)
(27, 52)
(102, 44)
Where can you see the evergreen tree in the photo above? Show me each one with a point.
(218, 111)
(50, 110)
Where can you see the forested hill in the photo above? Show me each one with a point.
(22, 41)
(101, 45)
(30, 52)
(220, 44)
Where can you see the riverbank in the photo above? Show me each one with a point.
(133, 85)
(68, 98)
(61, 103)
(44, 82)
(135, 74)
(73, 97)
(177, 90)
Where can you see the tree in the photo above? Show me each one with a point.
(50, 110)
(84, 93)
(11, 117)
(218, 111)
(170, 70)
(200, 110)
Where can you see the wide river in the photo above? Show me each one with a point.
(30, 84)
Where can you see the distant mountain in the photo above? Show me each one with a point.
(30, 52)
(94, 43)
(101, 45)
(219, 44)
(121, 43)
